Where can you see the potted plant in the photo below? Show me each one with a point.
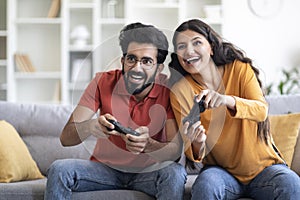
(289, 83)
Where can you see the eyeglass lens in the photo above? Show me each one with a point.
(132, 60)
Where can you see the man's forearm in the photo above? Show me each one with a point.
(163, 151)
(74, 133)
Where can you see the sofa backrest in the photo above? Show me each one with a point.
(283, 104)
(40, 126)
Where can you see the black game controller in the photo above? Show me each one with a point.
(194, 114)
(122, 129)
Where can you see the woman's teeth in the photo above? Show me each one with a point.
(191, 60)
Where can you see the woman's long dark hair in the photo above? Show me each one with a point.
(223, 53)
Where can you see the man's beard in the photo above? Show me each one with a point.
(134, 88)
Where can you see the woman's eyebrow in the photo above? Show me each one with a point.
(197, 37)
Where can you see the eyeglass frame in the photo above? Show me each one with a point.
(138, 60)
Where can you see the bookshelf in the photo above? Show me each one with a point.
(81, 30)
(36, 29)
(67, 44)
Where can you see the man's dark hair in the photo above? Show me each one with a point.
(141, 33)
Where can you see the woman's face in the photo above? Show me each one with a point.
(193, 51)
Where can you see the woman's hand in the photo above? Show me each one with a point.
(196, 133)
(214, 99)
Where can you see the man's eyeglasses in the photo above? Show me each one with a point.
(146, 63)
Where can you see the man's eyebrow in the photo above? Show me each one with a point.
(147, 57)
(144, 57)
(131, 55)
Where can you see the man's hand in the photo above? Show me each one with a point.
(137, 144)
(105, 126)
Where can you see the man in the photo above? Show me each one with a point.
(136, 97)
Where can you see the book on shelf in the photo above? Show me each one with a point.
(23, 63)
(54, 9)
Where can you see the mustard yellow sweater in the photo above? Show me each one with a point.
(232, 141)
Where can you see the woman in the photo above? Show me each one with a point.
(233, 139)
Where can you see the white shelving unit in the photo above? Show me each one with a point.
(3, 50)
(64, 64)
(81, 36)
(32, 33)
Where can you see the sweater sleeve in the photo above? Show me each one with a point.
(250, 102)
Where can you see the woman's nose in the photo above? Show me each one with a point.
(190, 49)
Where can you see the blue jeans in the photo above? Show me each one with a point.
(274, 182)
(75, 175)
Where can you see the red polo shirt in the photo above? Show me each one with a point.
(107, 92)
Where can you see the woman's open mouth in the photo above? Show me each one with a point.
(191, 60)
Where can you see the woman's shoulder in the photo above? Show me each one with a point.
(183, 88)
(238, 66)
(182, 82)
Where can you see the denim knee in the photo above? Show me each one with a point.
(56, 167)
(176, 172)
(215, 183)
(287, 182)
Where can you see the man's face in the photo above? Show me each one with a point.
(140, 66)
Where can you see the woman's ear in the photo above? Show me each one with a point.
(211, 50)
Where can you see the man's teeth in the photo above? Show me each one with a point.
(136, 77)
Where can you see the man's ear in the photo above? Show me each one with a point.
(122, 60)
(160, 68)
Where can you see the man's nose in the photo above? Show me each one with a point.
(137, 66)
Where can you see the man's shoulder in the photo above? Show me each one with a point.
(111, 75)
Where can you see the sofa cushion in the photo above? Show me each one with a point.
(296, 158)
(16, 163)
(284, 129)
(40, 126)
(23, 190)
(47, 149)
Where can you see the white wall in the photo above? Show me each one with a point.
(273, 43)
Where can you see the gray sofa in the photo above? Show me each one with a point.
(40, 126)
